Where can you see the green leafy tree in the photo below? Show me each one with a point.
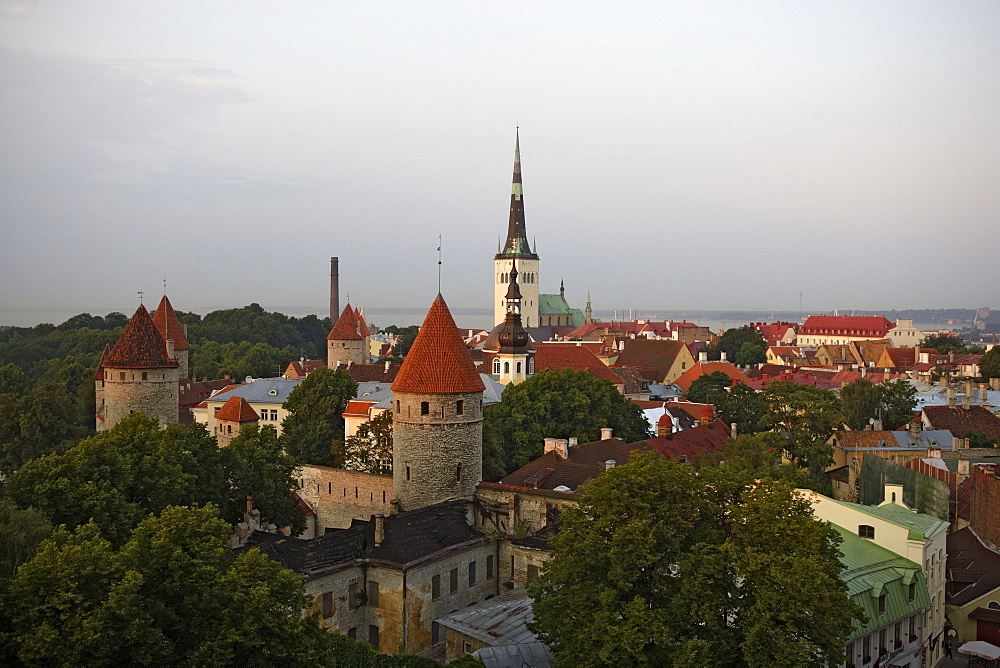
(744, 406)
(732, 343)
(260, 469)
(557, 403)
(370, 448)
(661, 564)
(891, 402)
(808, 417)
(989, 364)
(313, 431)
(708, 388)
(949, 343)
(172, 595)
(21, 530)
(978, 439)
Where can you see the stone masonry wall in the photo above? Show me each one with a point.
(346, 351)
(126, 392)
(438, 455)
(338, 496)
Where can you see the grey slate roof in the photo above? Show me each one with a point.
(377, 391)
(525, 655)
(261, 391)
(491, 395)
(409, 536)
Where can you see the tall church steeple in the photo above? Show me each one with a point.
(516, 246)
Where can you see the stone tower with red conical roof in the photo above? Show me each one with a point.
(140, 374)
(437, 419)
(347, 340)
(171, 329)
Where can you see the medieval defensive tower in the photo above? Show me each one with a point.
(347, 340)
(171, 329)
(516, 246)
(437, 450)
(140, 374)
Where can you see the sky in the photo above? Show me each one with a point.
(675, 155)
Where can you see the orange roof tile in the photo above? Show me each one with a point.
(346, 328)
(99, 374)
(438, 361)
(357, 408)
(140, 346)
(702, 368)
(576, 358)
(236, 409)
(169, 326)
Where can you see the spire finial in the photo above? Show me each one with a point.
(439, 264)
(140, 293)
(164, 285)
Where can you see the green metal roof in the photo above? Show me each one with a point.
(921, 527)
(871, 570)
(553, 305)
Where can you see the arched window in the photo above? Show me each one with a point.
(518, 368)
(496, 367)
(506, 367)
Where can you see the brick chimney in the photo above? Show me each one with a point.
(379, 529)
(558, 445)
(605, 433)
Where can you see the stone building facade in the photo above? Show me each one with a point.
(347, 341)
(338, 497)
(171, 329)
(140, 373)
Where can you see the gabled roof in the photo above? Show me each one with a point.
(553, 305)
(689, 444)
(575, 358)
(921, 527)
(438, 361)
(586, 462)
(706, 368)
(969, 561)
(260, 391)
(169, 326)
(299, 368)
(960, 421)
(236, 409)
(659, 355)
(140, 346)
(346, 327)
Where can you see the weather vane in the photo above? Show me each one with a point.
(140, 296)
(439, 264)
(164, 285)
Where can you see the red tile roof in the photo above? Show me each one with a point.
(169, 326)
(346, 327)
(438, 361)
(140, 346)
(577, 358)
(357, 408)
(690, 444)
(960, 421)
(362, 325)
(586, 462)
(702, 368)
(99, 374)
(236, 409)
(846, 325)
(298, 369)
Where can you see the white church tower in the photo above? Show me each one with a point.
(516, 247)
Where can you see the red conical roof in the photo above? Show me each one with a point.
(346, 328)
(362, 325)
(438, 361)
(236, 409)
(99, 375)
(169, 326)
(140, 346)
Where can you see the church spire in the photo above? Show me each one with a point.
(517, 240)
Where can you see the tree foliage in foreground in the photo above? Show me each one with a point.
(708, 388)
(808, 416)
(989, 365)
(663, 565)
(893, 402)
(370, 448)
(556, 403)
(118, 477)
(744, 406)
(313, 432)
(172, 594)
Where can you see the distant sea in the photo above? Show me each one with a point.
(480, 318)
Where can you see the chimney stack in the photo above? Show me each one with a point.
(605, 433)
(559, 445)
(702, 357)
(170, 349)
(334, 289)
(379, 529)
(722, 356)
(951, 397)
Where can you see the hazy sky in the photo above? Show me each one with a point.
(675, 155)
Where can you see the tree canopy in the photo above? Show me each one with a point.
(744, 406)
(370, 448)
(313, 431)
(891, 402)
(708, 388)
(808, 416)
(742, 345)
(949, 343)
(118, 477)
(557, 403)
(989, 365)
(661, 564)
